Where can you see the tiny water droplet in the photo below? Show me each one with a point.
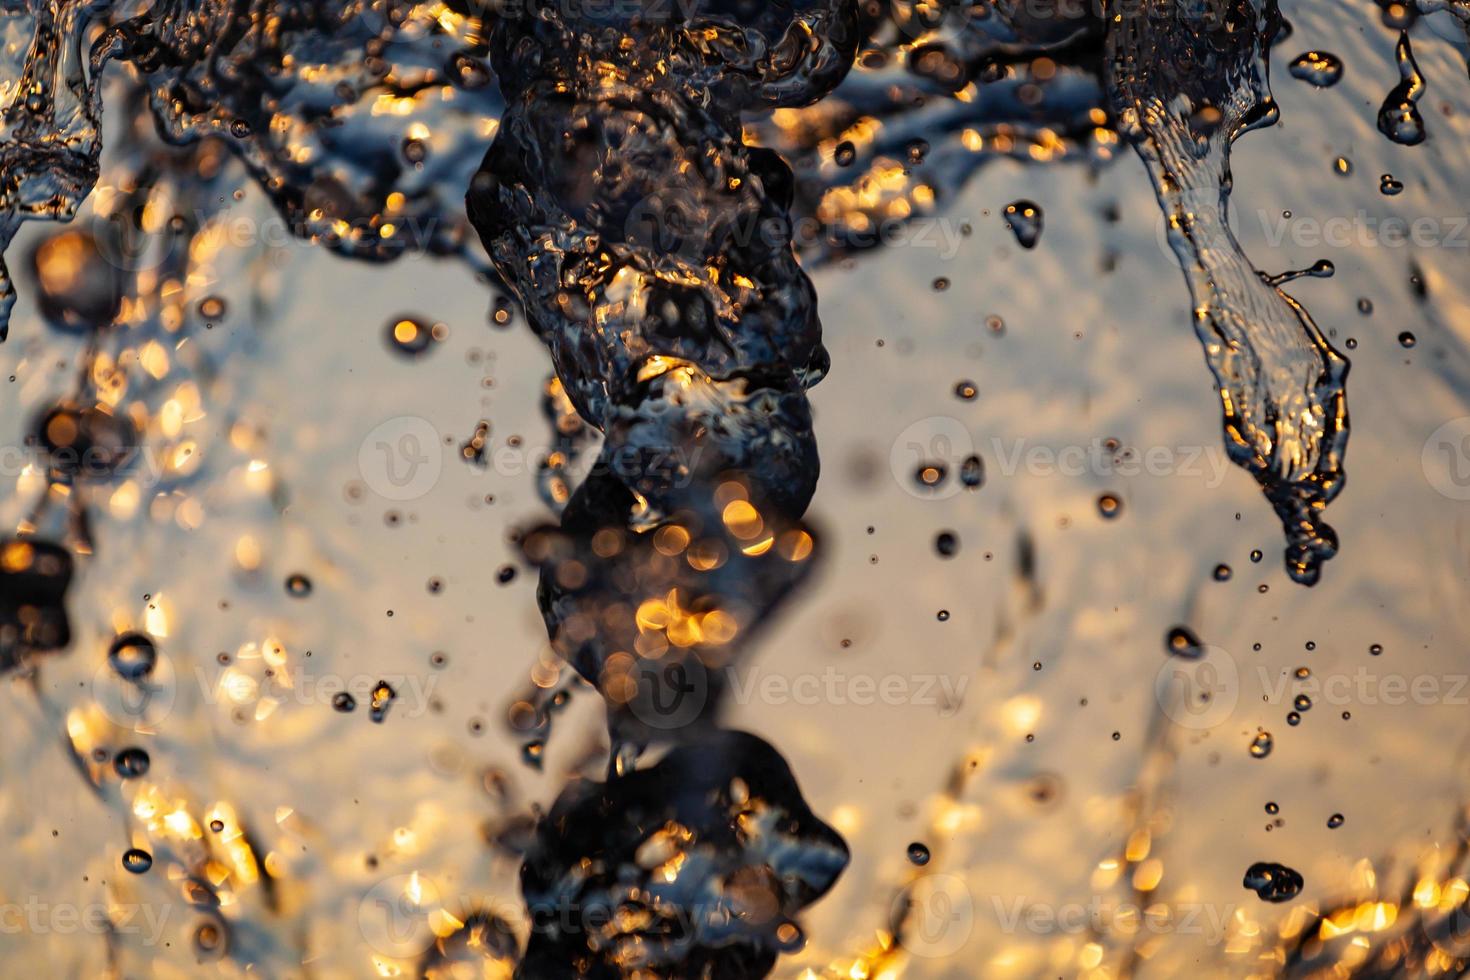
(1261, 745)
(1024, 219)
(918, 854)
(131, 763)
(136, 860)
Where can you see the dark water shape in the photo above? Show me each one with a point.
(1273, 882)
(694, 867)
(1399, 118)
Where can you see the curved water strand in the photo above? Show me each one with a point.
(1281, 384)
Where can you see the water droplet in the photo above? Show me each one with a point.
(344, 702)
(942, 615)
(506, 574)
(1181, 642)
(1376, 649)
(1302, 703)
(1390, 187)
(409, 336)
(136, 860)
(1261, 745)
(1342, 166)
(1024, 219)
(1109, 506)
(1273, 882)
(1272, 808)
(1321, 69)
(383, 695)
(1407, 339)
(947, 543)
(133, 656)
(216, 825)
(1222, 572)
(131, 763)
(844, 154)
(1335, 821)
(1256, 556)
(1399, 117)
(298, 586)
(918, 854)
(972, 472)
(966, 391)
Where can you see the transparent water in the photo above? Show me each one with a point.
(1005, 697)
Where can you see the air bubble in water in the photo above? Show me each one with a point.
(1024, 219)
(1335, 821)
(1389, 186)
(136, 860)
(409, 336)
(1273, 882)
(1261, 745)
(131, 763)
(383, 695)
(1109, 506)
(298, 586)
(1320, 68)
(947, 544)
(966, 391)
(133, 656)
(918, 854)
(1182, 642)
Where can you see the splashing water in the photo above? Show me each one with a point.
(1280, 381)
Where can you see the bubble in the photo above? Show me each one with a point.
(1390, 187)
(941, 284)
(409, 336)
(1365, 306)
(947, 544)
(1181, 642)
(1407, 339)
(1261, 745)
(133, 656)
(1109, 506)
(1222, 572)
(344, 702)
(1024, 219)
(298, 586)
(966, 391)
(942, 615)
(212, 308)
(1302, 703)
(382, 699)
(1319, 68)
(216, 825)
(506, 574)
(131, 763)
(136, 860)
(918, 854)
(972, 472)
(1256, 556)
(1335, 821)
(1272, 808)
(1273, 882)
(844, 154)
